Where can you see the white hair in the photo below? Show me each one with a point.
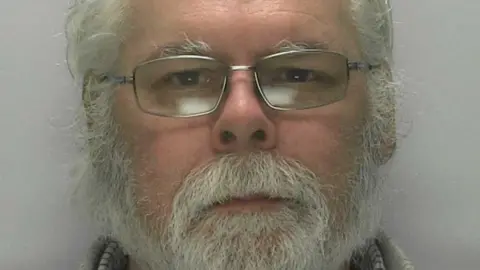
(96, 30)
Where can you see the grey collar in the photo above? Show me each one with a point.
(107, 254)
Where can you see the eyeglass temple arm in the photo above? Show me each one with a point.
(361, 65)
(119, 79)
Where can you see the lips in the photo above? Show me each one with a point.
(255, 197)
(255, 203)
(250, 198)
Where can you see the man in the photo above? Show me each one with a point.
(235, 134)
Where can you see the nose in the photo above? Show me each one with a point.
(242, 123)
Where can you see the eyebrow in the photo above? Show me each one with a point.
(187, 47)
(286, 45)
(197, 47)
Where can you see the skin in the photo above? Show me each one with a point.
(164, 150)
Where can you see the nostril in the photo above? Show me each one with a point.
(227, 137)
(259, 135)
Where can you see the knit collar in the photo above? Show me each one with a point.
(107, 254)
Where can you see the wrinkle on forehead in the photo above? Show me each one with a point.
(234, 27)
(147, 12)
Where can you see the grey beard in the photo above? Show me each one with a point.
(305, 234)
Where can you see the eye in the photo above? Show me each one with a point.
(186, 78)
(183, 80)
(297, 75)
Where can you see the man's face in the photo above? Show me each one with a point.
(281, 190)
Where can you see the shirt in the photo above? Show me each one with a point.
(377, 254)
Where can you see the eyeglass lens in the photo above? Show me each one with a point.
(190, 86)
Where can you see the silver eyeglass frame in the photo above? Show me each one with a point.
(349, 65)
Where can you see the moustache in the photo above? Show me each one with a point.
(258, 174)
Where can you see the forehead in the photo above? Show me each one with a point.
(238, 30)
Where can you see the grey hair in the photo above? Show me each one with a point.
(374, 24)
(95, 32)
(96, 29)
(373, 20)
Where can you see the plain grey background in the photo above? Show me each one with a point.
(433, 205)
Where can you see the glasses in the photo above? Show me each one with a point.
(192, 85)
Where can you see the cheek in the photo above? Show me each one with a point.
(327, 145)
(329, 150)
(163, 159)
(163, 151)
(328, 140)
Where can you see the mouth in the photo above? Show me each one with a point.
(251, 203)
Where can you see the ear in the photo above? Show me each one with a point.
(89, 79)
(388, 144)
(388, 137)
